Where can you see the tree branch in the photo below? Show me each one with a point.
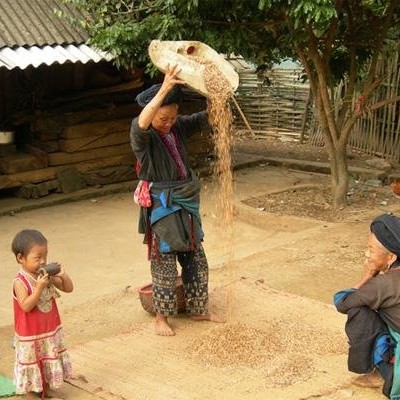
(348, 96)
(333, 29)
(351, 84)
(382, 103)
(312, 77)
(322, 87)
(353, 118)
(260, 24)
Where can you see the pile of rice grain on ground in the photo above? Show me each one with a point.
(296, 335)
(235, 344)
(288, 369)
(282, 353)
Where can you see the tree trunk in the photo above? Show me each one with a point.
(339, 177)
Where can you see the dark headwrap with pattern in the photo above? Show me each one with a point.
(386, 228)
(173, 97)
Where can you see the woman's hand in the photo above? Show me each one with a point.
(171, 78)
(370, 270)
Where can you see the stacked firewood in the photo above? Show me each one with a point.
(94, 144)
(70, 151)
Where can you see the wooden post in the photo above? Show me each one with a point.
(304, 121)
(243, 116)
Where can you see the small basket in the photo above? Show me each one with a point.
(146, 296)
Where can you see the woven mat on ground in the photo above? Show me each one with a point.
(274, 346)
(7, 387)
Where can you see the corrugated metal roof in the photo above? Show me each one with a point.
(34, 23)
(22, 57)
(31, 34)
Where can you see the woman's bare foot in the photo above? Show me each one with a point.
(371, 380)
(207, 317)
(162, 326)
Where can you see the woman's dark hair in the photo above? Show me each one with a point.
(173, 97)
(25, 240)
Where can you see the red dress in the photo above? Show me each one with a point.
(41, 356)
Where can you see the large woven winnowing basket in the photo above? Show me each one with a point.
(188, 56)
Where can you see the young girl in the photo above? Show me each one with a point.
(42, 362)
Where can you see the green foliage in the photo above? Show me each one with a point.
(125, 28)
(262, 31)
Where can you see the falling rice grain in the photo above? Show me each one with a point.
(220, 116)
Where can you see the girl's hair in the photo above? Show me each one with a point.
(25, 240)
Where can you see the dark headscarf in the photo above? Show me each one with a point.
(386, 228)
(174, 96)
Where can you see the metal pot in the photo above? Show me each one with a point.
(7, 137)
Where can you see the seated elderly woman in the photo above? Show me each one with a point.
(373, 310)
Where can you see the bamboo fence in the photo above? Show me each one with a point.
(377, 132)
(276, 104)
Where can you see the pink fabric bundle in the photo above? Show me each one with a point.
(142, 195)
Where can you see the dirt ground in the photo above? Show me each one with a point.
(271, 278)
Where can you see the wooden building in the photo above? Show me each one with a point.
(66, 106)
